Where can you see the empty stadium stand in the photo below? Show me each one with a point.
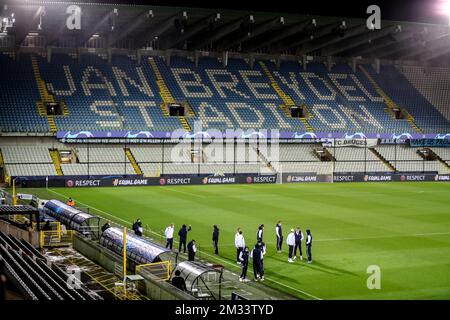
(34, 278)
(126, 96)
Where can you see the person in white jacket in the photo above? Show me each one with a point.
(168, 233)
(239, 243)
(290, 241)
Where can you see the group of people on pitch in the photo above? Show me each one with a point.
(294, 242)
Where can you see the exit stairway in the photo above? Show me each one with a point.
(133, 161)
(389, 102)
(287, 100)
(54, 154)
(165, 94)
(46, 97)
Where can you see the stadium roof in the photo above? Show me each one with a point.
(143, 26)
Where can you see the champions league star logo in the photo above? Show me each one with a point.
(81, 134)
(253, 134)
(305, 135)
(140, 134)
(402, 136)
(357, 135)
(443, 136)
(200, 134)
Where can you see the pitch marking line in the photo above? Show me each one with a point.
(184, 192)
(225, 261)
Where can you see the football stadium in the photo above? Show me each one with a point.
(153, 152)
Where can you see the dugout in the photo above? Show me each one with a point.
(202, 281)
(140, 251)
(73, 218)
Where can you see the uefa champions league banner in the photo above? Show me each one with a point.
(69, 136)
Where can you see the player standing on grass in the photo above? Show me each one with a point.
(183, 237)
(169, 236)
(309, 240)
(239, 242)
(290, 240)
(243, 256)
(256, 255)
(279, 233)
(215, 238)
(260, 233)
(262, 245)
(298, 243)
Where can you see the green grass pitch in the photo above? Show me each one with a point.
(404, 228)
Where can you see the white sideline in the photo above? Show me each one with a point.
(227, 262)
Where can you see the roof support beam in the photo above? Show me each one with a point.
(322, 31)
(220, 33)
(332, 39)
(353, 41)
(245, 35)
(279, 35)
(190, 32)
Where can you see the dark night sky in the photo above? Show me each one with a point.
(404, 10)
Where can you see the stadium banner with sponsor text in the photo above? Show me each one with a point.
(171, 181)
(137, 136)
(386, 177)
(305, 178)
(429, 143)
(362, 143)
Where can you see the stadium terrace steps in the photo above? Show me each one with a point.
(45, 96)
(133, 161)
(165, 94)
(287, 100)
(383, 159)
(54, 154)
(389, 102)
(445, 163)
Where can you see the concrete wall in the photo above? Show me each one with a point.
(29, 236)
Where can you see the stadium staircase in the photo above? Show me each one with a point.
(287, 100)
(166, 96)
(438, 157)
(54, 154)
(29, 271)
(263, 159)
(133, 161)
(383, 159)
(390, 103)
(46, 97)
(98, 275)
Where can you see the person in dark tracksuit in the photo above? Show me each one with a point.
(191, 250)
(256, 255)
(262, 245)
(298, 243)
(309, 241)
(243, 256)
(260, 233)
(215, 239)
(183, 237)
(279, 233)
